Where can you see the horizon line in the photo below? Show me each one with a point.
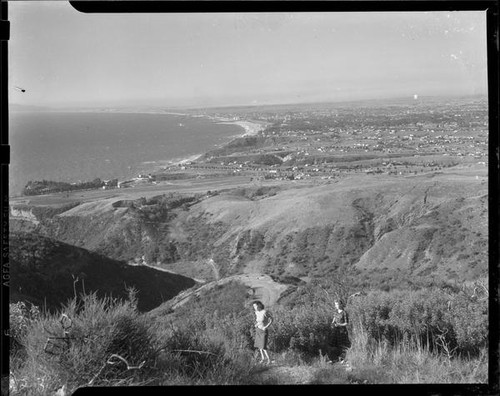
(264, 104)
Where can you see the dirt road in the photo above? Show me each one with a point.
(262, 286)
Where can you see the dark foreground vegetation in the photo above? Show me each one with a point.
(46, 272)
(426, 336)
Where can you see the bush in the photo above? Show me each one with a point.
(196, 354)
(469, 320)
(92, 341)
(210, 340)
(300, 329)
(20, 320)
(205, 349)
(433, 317)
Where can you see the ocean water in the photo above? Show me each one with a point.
(73, 147)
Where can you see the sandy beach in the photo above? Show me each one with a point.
(251, 128)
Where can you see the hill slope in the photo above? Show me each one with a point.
(383, 228)
(45, 271)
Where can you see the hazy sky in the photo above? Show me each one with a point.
(62, 56)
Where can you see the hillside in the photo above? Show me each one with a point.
(48, 272)
(382, 230)
(385, 207)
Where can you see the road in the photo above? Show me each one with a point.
(164, 270)
(137, 191)
(263, 287)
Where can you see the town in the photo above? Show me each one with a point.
(326, 142)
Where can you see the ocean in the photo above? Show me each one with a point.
(81, 146)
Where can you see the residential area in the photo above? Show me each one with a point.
(329, 141)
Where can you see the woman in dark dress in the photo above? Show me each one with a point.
(340, 339)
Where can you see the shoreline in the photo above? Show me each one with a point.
(250, 128)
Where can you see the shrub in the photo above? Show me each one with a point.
(20, 320)
(196, 354)
(469, 320)
(210, 340)
(92, 341)
(210, 349)
(438, 319)
(300, 329)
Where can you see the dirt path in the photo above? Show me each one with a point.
(263, 287)
(286, 375)
(164, 270)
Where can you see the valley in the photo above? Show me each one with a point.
(397, 217)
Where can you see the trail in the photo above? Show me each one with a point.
(163, 270)
(263, 287)
(284, 374)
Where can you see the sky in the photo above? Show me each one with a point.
(62, 57)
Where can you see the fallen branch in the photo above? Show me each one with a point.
(189, 350)
(111, 362)
(129, 367)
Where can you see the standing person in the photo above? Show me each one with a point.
(262, 321)
(339, 324)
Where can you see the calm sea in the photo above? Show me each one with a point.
(75, 147)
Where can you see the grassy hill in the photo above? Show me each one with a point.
(382, 229)
(48, 272)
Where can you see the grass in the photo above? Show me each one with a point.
(108, 342)
(415, 366)
(95, 341)
(411, 363)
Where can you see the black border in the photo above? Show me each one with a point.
(117, 6)
(493, 30)
(491, 7)
(4, 197)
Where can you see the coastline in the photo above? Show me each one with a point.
(249, 128)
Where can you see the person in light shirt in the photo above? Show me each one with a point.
(262, 321)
